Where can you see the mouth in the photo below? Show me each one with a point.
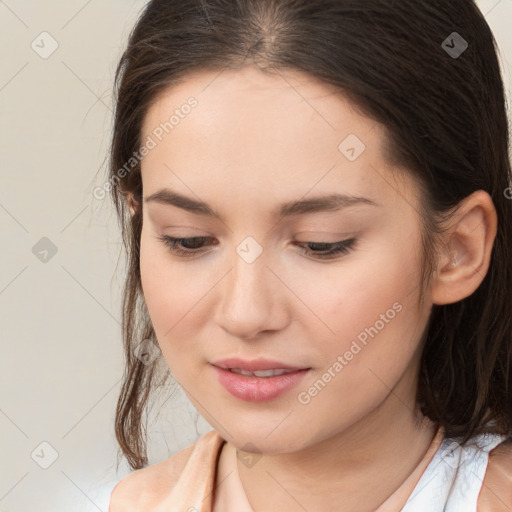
(261, 373)
(258, 380)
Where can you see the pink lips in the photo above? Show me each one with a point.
(257, 389)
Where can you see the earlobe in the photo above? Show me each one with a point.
(466, 251)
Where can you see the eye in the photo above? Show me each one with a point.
(190, 246)
(325, 250)
(176, 247)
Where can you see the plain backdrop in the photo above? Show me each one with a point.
(61, 271)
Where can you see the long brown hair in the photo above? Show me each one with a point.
(428, 71)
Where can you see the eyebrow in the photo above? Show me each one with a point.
(332, 202)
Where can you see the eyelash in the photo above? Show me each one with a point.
(333, 249)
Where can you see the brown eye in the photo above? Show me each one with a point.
(328, 250)
(190, 246)
(184, 246)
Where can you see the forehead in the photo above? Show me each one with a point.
(283, 134)
(262, 97)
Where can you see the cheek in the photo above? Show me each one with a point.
(169, 294)
(371, 313)
(351, 296)
(155, 278)
(177, 302)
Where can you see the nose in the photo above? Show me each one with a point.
(253, 300)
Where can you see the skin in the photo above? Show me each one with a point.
(255, 141)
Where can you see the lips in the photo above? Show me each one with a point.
(258, 380)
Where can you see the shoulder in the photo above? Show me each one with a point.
(496, 493)
(149, 486)
(143, 487)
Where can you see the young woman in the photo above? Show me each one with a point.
(315, 199)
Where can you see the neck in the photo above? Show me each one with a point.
(354, 470)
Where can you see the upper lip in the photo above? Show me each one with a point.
(255, 364)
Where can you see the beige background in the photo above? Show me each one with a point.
(61, 347)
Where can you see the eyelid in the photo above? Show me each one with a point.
(334, 251)
(324, 237)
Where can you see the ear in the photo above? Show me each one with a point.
(132, 203)
(466, 250)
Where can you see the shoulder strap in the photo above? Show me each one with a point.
(496, 493)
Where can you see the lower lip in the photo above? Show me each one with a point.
(258, 389)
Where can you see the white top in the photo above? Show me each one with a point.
(453, 479)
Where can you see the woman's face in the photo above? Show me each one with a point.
(248, 144)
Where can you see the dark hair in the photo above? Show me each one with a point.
(443, 106)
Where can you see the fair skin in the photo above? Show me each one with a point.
(253, 142)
